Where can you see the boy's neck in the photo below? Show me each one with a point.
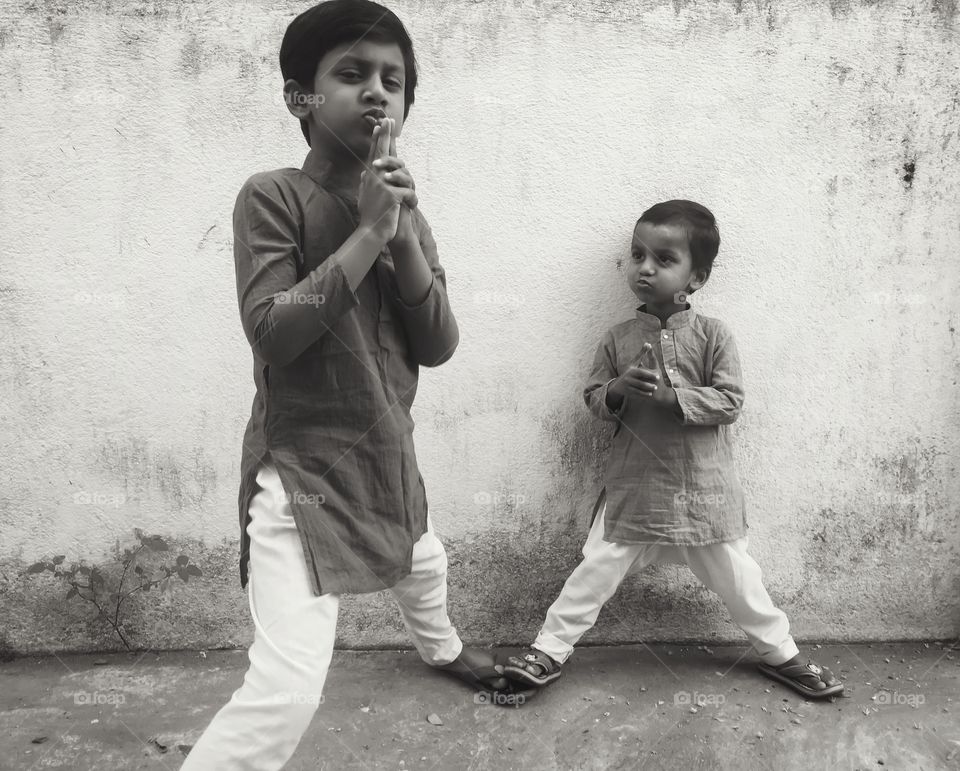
(664, 311)
(338, 171)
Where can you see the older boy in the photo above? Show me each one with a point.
(342, 299)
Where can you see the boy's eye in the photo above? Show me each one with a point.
(393, 83)
(349, 74)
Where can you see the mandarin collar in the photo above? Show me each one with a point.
(675, 321)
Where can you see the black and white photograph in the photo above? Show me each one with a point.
(480, 384)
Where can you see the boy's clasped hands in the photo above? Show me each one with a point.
(387, 195)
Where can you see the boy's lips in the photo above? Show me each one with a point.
(373, 117)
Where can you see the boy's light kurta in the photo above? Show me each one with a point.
(336, 374)
(672, 479)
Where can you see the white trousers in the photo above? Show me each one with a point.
(725, 568)
(294, 632)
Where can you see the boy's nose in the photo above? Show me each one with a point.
(375, 93)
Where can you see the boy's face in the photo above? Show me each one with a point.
(660, 264)
(355, 84)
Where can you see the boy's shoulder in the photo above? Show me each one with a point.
(271, 180)
(712, 326)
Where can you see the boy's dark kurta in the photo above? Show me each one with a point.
(336, 375)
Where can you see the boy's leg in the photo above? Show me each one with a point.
(294, 631)
(422, 599)
(594, 581)
(728, 570)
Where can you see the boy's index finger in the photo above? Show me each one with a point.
(384, 143)
(393, 145)
(374, 146)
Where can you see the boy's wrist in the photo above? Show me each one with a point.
(406, 235)
(372, 235)
(614, 399)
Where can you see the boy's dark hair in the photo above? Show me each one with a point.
(700, 225)
(325, 26)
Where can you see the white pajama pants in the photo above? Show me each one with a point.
(294, 632)
(725, 568)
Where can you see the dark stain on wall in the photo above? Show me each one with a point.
(909, 168)
(184, 481)
(579, 440)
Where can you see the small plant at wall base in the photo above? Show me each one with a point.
(107, 588)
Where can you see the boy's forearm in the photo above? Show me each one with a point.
(707, 406)
(412, 271)
(357, 254)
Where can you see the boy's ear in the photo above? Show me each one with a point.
(296, 98)
(698, 279)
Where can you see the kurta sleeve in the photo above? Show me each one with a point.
(719, 402)
(432, 332)
(281, 317)
(603, 372)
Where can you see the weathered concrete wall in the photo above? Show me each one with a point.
(824, 136)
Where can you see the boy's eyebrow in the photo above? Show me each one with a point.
(636, 248)
(358, 59)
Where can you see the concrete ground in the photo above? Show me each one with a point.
(658, 706)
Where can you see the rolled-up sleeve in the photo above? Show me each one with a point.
(602, 374)
(432, 332)
(281, 316)
(720, 402)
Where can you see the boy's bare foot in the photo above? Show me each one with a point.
(809, 679)
(532, 667)
(477, 668)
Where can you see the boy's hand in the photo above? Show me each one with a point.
(395, 172)
(644, 383)
(378, 200)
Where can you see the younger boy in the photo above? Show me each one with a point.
(671, 491)
(342, 299)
